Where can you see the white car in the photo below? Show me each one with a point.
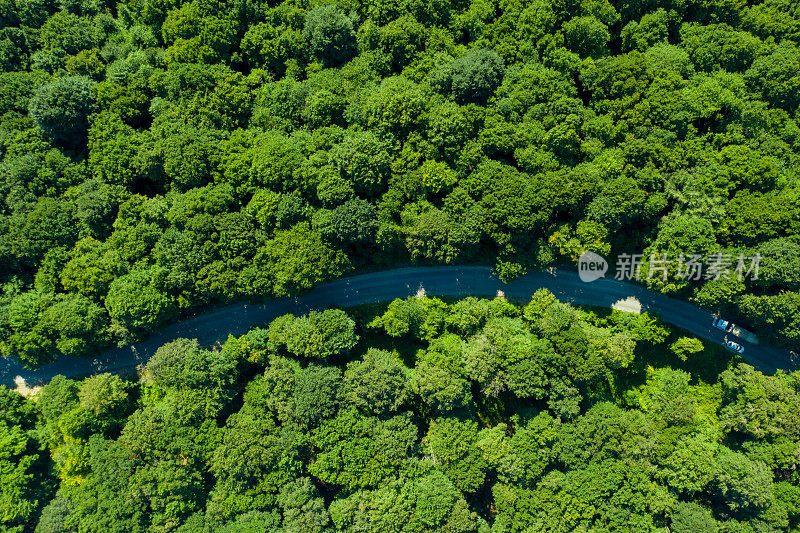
(734, 347)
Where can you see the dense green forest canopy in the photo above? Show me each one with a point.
(160, 156)
(419, 416)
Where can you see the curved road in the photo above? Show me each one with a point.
(459, 281)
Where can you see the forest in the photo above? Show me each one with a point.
(162, 157)
(158, 157)
(416, 416)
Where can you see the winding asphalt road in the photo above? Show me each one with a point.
(459, 281)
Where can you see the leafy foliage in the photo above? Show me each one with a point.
(486, 422)
(160, 157)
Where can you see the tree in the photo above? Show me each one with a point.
(451, 445)
(26, 483)
(402, 39)
(337, 330)
(601, 501)
(395, 108)
(779, 265)
(467, 316)
(253, 522)
(448, 129)
(25, 487)
(719, 294)
(46, 224)
(253, 461)
(758, 405)
(298, 259)
(777, 314)
(183, 364)
(354, 222)
(78, 324)
(377, 383)
(62, 107)
(690, 517)
(475, 76)
(130, 102)
(316, 395)
(330, 34)
(749, 169)
(428, 500)
(290, 210)
(97, 501)
(303, 508)
(58, 397)
(440, 504)
(363, 159)
(68, 32)
(742, 483)
(16, 409)
(272, 48)
(183, 152)
(618, 204)
(420, 318)
(43, 325)
(353, 451)
(681, 236)
(651, 29)
(54, 516)
(441, 390)
(691, 466)
(531, 449)
(103, 395)
(137, 303)
(113, 146)
(718, 45)
(686, 346)
(565, 400)
(586, 36)
(97, 204)
(275, 159)
(319, 335)
(198, 33)
(324, 108)
(775, 75)
(435, 235)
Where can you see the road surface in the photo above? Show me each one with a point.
(459, 281)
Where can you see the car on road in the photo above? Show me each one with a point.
(724, 325)
(734, 347)
(734, 329)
